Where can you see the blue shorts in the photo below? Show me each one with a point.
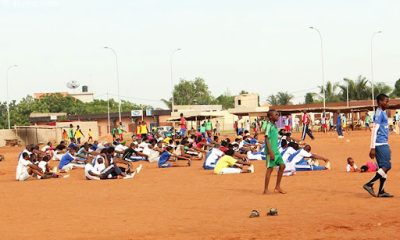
(383, 156)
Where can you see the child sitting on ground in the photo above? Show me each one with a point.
(165, 159)
(229, 165)
(351, 165)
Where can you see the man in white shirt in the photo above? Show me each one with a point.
(212, 158)
(304, 160)
(26, 168)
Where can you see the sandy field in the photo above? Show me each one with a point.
(190, 203)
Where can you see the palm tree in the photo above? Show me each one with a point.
(167, 102)
(281, 98)
(381, 87)
(331, 94)
(358, 90)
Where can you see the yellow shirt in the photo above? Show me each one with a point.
(90, 134)
(143, 129)
(78, 134)
(224, 162)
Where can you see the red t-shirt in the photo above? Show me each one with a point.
(305, 118)
(183, 123)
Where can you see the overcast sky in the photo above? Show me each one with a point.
(261, 46)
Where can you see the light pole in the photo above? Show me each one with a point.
(322, 66)
(372, 69)
(172, 76)
(117, 76)
(8, 104)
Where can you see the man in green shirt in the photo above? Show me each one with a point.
(274, 158)
(209, 127)
(71, 134)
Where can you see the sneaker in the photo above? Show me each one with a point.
(251, 168)
(129, 176)
(138, 169)
(254, 214)
(369, 189)
(385, 195)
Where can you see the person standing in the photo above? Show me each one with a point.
(121, 131)
(217, 129)
(274, 158)
(71, 132)
(183, 126)
(78, 134)
(339, 126)
(380, 148)
(306, 119)
(209, 127)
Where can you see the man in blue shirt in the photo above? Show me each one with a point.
(380, 147)
(339, 126)
(67, 158)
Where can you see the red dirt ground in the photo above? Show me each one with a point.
(190, 203)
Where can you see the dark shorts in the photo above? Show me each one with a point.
(383, 156)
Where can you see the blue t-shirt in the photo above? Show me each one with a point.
(381, 118)
(67, 158)
(164, 158)
(339, 121)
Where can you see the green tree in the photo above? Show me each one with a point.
(309, 98)
(227, 101)
(281, 98)
(381, 87)
(331, 94)
(358, 89)
(396, 90)
(191, 92)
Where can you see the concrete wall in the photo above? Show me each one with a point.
(247, 100)
(7, 134)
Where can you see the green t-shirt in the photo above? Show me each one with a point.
(71, 133)
(208, 126)
(202, 129)
(120, 130)
(367, 119)
(272, 132)
(264, 125)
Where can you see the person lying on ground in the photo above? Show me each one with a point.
(227, 164)
(169, 159)
(351, 165)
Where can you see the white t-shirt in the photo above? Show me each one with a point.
(213, 157)
(22, 167)
(120, 148)
(289, 151)
(302, 154)
(43, 165)
(89, 167)
(348, 167)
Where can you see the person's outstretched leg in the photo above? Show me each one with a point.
(278, 188)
